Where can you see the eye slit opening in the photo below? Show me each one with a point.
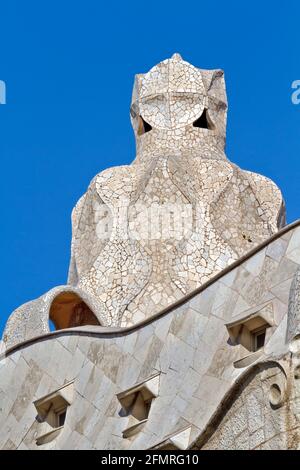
(143, 126)
(204, 121)
(132, 113)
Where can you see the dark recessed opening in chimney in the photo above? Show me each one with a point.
(204, 121)
(144, 126)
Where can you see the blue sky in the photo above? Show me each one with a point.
(69, 69)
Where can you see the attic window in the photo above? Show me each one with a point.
(52, 413)
(250, 333)
(250, 330)
(61, 418)
(144, 126)
(136, 403)
(259, 337)
(204, 121)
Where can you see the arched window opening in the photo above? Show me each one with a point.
(68, 310)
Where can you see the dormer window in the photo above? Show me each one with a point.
(136, 403)
(259, 337)
(52, 413)
(250, 331)
(61, 417)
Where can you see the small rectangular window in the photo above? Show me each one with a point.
(61, 418)
(136, 403)
(52, 412)
(259, 339)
